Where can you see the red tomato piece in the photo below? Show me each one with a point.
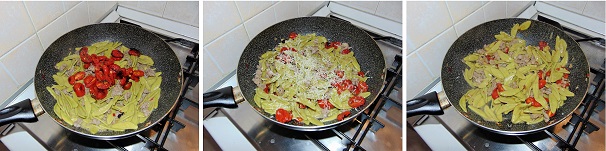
(79, 89)
(71, 80)
(103, 85)
(548, 74)
(283, 115)
(362, 86)
(138, 73)
(117, 54)
(134, 52)
(299, 119)
(127, 86)
(79, 75)
(339, 73)
(565, 75)
(345, 51)
(533, 102)
(356, 101)
(89, 80)
(325, 104)
(292, 35)
(551, 114)
(500, 87)
(348, 85)
(301, 106)
(542, 83)
(283, 49)
(495, 93)
(361, 74)
(542, 45)
(342, 116)
(507, 50)
(266, 90)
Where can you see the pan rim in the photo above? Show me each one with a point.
(331, 125)
(525, 132)
(129, 134)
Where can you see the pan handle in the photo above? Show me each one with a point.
(223, 97)
(431, 103)
(20, 112)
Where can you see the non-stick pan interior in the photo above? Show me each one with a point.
(165, 61)
(364, 47)
(455, 85)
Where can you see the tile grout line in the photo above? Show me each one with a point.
(432, 39)
(214, 61)
(9, 74)
(425, 65)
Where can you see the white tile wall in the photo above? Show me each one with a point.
(186, 12)
(29, 27)
(229, 26)
(593, 9)
(433, 26)
(388, 9)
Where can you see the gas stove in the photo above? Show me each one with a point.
(379, 128)
(178, 131)
(584, 130)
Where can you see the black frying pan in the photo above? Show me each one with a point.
(165, 61)
(364, 47)
(455, 85)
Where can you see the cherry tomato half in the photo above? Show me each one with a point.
(127, 86)
(540, 74)
(495, 93)
(362, 86)
(345, 51)
(134, 52)
(342, 116)
(356, 101)
(79, 89)
(542, 83)
(339, 73)
(542, 44)
(117, 54)
(283, 115)
(292, 35)
(361, 74)
(325, 104)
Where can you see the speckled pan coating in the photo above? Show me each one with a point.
(365, 50)
(165, 61)
(455, 85)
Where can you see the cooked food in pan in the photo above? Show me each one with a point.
(105, 86)
(508, 75)
(308, 80)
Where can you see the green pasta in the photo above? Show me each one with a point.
(121, 109)
(312, 79)
(508, 75)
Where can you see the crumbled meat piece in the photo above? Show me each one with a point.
(534, 116)
(95, 121)
(117, 90)
(546, 90)
(478, 76)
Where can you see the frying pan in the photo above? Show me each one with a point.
(364, 47)
(455, 85)
(165, 61)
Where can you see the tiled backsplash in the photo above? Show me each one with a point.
(29, 27)
(593, 9)
(229, 26)
(185, 12)
(433, 26)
